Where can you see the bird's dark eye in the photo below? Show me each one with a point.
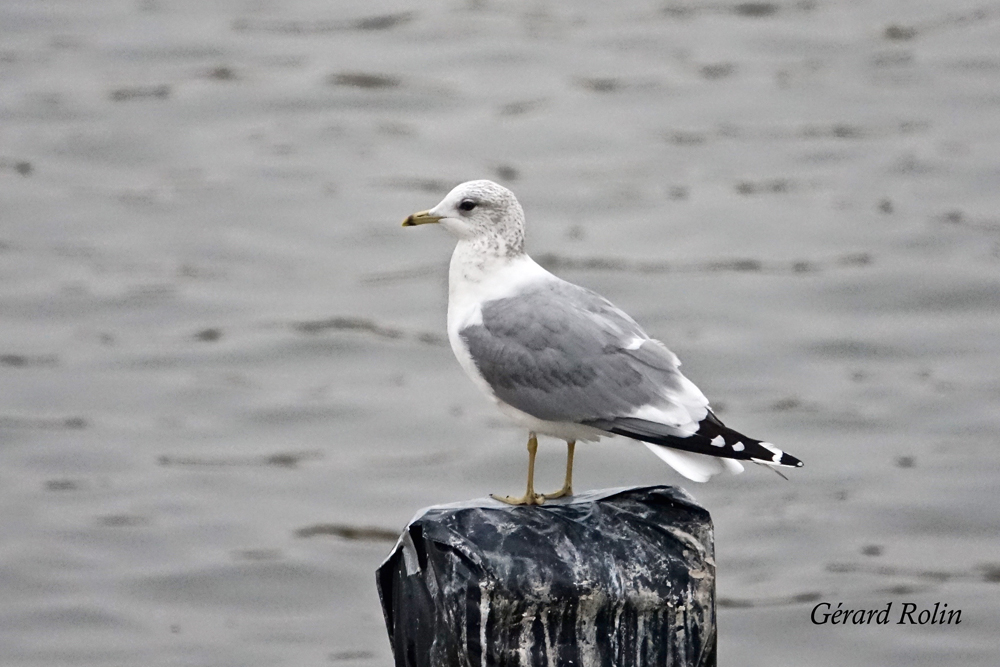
(467, 205)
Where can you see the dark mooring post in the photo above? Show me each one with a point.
(616, 578)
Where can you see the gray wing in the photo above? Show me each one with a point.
(563, 353)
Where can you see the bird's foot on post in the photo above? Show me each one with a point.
(565, 491)
(529, 497)
(567, 488)
(526, 499)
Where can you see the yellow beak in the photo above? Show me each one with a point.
(422, 218)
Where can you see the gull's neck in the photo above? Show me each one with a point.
(481, 271)
(476, 259)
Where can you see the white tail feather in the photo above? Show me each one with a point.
(696, 467)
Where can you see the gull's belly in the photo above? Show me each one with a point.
(563, 430)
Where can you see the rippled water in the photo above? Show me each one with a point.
(225, 384)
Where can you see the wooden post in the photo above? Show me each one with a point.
(615, 578)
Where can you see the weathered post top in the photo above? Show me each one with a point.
(617, 578)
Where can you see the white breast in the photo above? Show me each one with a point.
(473, 282)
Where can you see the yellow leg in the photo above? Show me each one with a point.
(567, 489)
(529, 497)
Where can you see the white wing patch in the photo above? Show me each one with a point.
(673, 416)
(774, 450)
(635, 343)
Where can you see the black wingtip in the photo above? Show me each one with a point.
(712, 438)
(789, 460)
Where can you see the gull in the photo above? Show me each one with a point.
(561, 360)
